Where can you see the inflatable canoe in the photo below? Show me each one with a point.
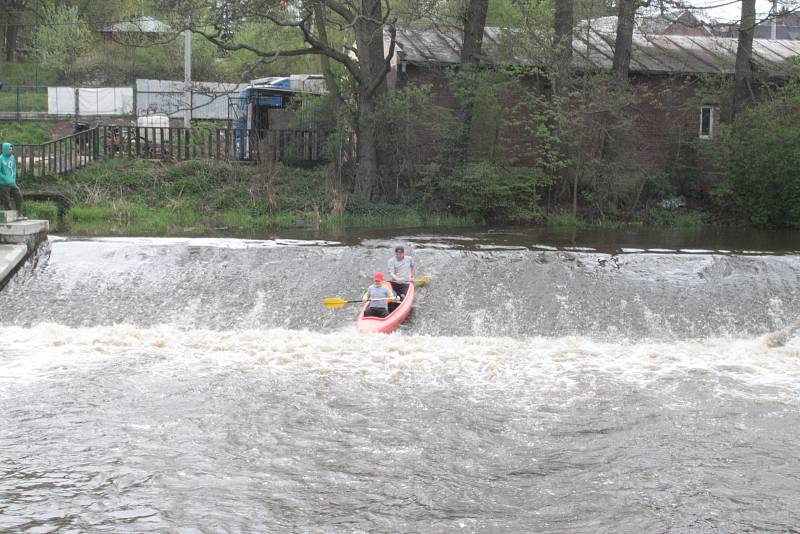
(390, 322)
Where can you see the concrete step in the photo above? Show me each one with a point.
(30, 232)
(10, 257)
(8, 216)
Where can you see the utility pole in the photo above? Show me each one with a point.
(187, 75)
(773, 34)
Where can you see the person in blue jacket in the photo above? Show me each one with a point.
(8, 179)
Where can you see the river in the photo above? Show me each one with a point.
(544, 383)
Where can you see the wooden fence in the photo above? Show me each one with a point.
(173, 144)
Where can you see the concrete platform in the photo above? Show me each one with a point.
(8, 216)
(10, 257)
(29, 232)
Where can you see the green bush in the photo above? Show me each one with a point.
(496, 193)
(760, 153)
(41, 210)
(562, 221)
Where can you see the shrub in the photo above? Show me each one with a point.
(760, 153)
(562, 221)
(41, 210)
(496, 193)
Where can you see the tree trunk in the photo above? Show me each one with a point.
(369, 41)
(366, 147)
(371, 85)
(742, 89)
(11, 37)
(564, 23)
(325, 61)
(624, 41)
(474, 26)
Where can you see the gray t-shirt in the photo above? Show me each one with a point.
(401, 268)
(379, 292)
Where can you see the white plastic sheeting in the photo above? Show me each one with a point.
(208, 100)
(61, 101)
(91, 101)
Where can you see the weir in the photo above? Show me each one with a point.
(18, 239)
(153, 385)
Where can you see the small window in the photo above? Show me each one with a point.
(706, 122)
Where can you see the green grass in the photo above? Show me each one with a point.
(690, 220)
(41, 210)
(562, 221)
(679, 219)
(135, 197)
(27, 73)
(24, 100)
(24, 133)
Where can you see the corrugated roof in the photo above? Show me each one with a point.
(594, 49)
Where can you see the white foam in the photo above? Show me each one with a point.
(48, 351)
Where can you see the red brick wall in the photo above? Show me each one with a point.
(668, 114)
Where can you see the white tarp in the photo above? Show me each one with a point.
(209, 100)
(105, 101)
(92, 101)
(61, 100)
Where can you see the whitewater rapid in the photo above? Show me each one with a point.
(199, 386)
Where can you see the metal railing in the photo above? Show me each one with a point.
(20, 102)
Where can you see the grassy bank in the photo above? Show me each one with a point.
(134, 197)
(24, 133)
(654, 217)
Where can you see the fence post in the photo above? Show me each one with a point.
(19, 115)
(77, 107)
(41, 161)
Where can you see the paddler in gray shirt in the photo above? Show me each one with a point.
(378, 296)
(402, 271)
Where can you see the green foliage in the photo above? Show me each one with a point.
(483, 92)
(407, 121)
(63, 39)
(562, 221)
(13, 99)
(496, 193)
(657, 216)
(24, 133)
(41, 210)
(760, 154)
(26, 73)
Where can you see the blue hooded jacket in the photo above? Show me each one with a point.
(8, 166)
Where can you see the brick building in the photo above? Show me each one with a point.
(668, 69)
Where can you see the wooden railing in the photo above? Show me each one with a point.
(78, 150)
(59, 156)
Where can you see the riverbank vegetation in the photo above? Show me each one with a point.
(137, 197)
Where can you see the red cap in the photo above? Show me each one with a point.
(378, 277)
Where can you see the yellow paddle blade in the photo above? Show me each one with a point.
(334, 302)
(422, 281)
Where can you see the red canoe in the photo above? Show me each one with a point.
(391, 321)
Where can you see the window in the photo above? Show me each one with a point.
(706, 122)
